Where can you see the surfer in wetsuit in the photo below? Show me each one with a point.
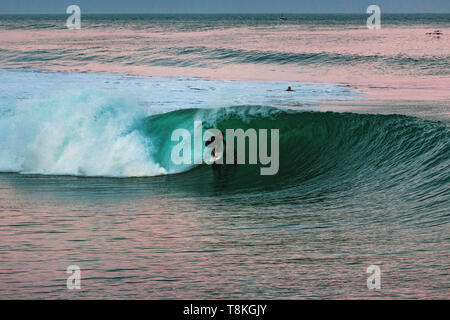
(216, 145)
(211, 140)
(222, 173)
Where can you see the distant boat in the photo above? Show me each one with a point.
(283, 17)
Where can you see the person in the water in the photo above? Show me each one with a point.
(207, 143)
(289, 89)
(221, 172)
(216, 146)
(219, 147)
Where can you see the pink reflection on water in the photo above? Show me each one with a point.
(135, 52)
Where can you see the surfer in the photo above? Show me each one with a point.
(218, 145)
(289, 89)
(218, 150)
(211, 140)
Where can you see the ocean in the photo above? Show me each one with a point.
(87, 178)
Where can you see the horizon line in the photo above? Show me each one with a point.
(225, 13)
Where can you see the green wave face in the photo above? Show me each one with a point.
(318, 150)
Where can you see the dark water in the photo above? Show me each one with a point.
(87, 177)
